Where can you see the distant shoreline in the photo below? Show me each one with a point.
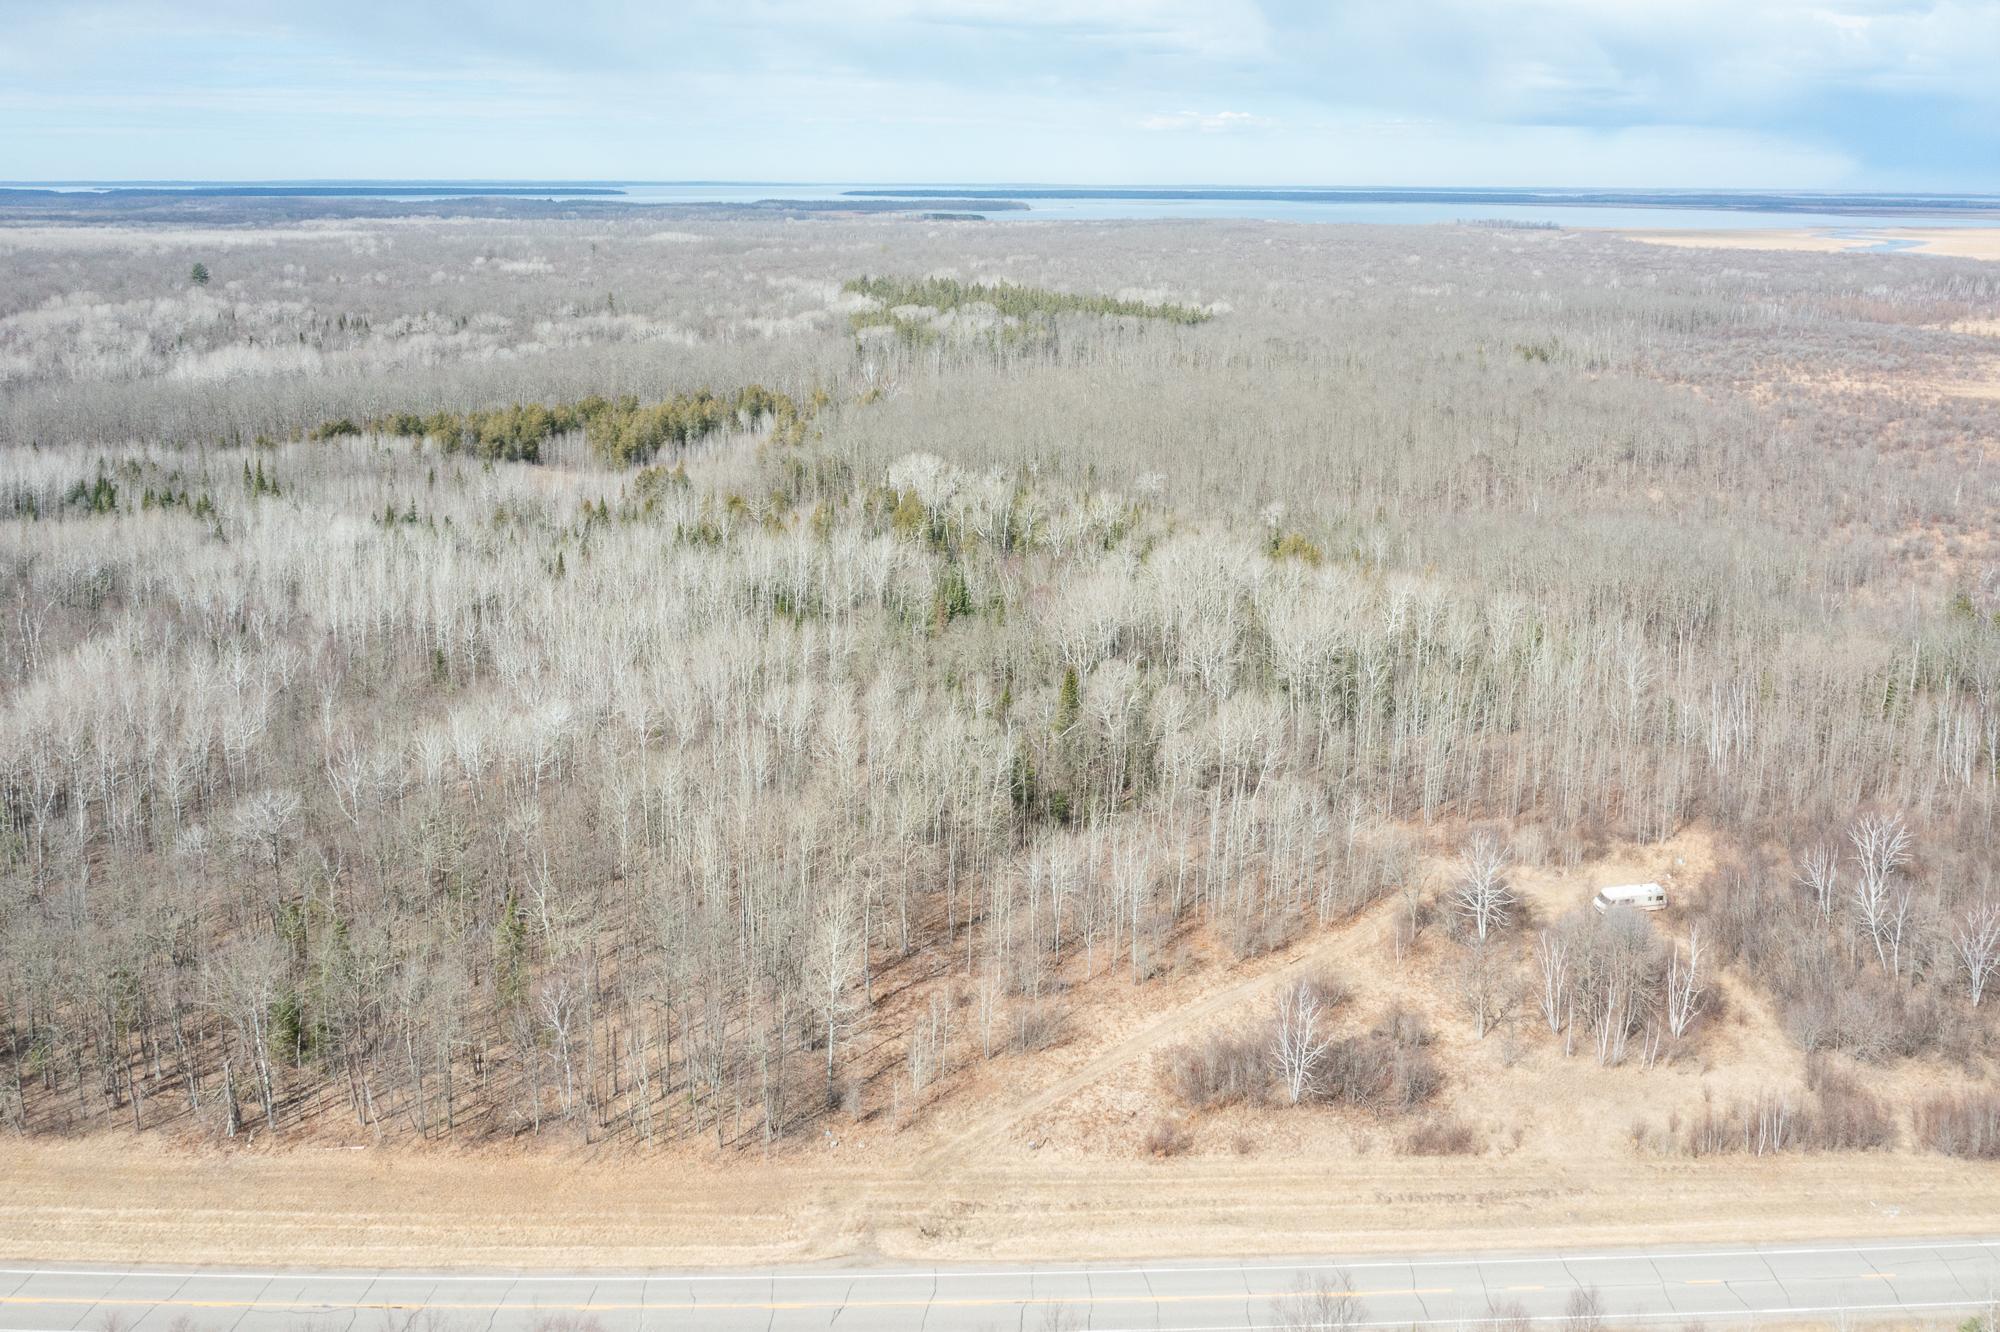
(1680, 213)
(1951, 242)
(1722, 200)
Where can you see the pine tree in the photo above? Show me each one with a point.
(1069, 705)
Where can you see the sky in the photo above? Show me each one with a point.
(1780, 94)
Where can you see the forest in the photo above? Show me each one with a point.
(720, 687)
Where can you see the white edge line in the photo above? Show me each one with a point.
(1728, 1317)
(934, 1273)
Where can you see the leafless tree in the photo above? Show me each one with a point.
(1819, 872)
(1321, 1301)
(1583, 1311)
(1684, 984)
(1481, 897)
(1298, 1045)
(543, 765)
(831, 966)
(242, 986)
(1880, 848)
(1553, 995)
(1975, 937)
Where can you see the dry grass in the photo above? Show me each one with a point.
(366, 1209)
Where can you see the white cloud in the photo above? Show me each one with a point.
(1206, 122)
(1763, 92)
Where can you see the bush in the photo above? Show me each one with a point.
(1222, 1068)
(1387, 1070)
(1847, 1118)
(1038, 1024)
(1836, 1117)
(1413, 1079)
(1441, 1135)
(1824, 999)
(1168, 1137)
(1325, 987)
(1254, 932)
(1763, 1126)
(1963, 1124)
(1357, 1071)
(1404, 1028)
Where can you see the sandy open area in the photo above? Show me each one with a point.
(1958, 242)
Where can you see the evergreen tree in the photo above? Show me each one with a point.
(1069, 705)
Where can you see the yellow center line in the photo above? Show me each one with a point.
(1704, 1281)
(1513, 1288)
(965, 1302)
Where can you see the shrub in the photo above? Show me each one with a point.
(1323, 1303)
(1405, 1028)
(1848, 1117)
(1387, 1070)
(1325, 988)
(1222, 1068)
(1441, 1135)
(1838, 1116)
(1762, 1126)
(1357, 1072)
(1257, 931)
(1038, 1024)
(1962, 1124)
(1413, 1079)
(1168, 1137)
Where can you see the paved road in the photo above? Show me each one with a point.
(1933, 1280)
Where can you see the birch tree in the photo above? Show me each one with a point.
(1298, 1045)
(1481, 896)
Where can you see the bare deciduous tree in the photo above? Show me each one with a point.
(1552, 964)
(1298, 1045)
(1819, 872)
(1684, 984)
(1323, 1301)
(1975, 938)
(1880, 847)
(1481, 896)
(831, 966)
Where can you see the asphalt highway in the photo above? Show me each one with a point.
(1935, 1281)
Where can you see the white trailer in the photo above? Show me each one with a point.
(1638, 896)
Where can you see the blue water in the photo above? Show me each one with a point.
(1631, 208)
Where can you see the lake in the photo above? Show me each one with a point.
(1659, 209)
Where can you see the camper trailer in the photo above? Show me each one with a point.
(1638, 896)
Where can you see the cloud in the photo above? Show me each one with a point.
(1821, 92)
(1206, 122)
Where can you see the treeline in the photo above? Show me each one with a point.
(621, 431)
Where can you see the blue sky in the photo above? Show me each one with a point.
(1888, 94)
